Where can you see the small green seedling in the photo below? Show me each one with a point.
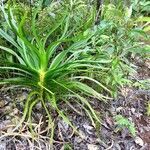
(67, 147)
(148, 109)
(123, 122)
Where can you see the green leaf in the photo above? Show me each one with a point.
(83, 87)
(93, 80)
(8, 38)
(10, 51)
(123, 122)
(56, 26)
(146, 29)
(58, 59)
(143, 19)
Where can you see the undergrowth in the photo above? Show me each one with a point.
(58, 52)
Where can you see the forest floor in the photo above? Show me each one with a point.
(131, 103)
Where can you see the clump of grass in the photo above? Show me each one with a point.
(52, 69)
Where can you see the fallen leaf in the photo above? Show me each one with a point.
(139, 141)
(88, 128)
(92, 147)
(2, 103)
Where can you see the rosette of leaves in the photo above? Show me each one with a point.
(53, 71)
